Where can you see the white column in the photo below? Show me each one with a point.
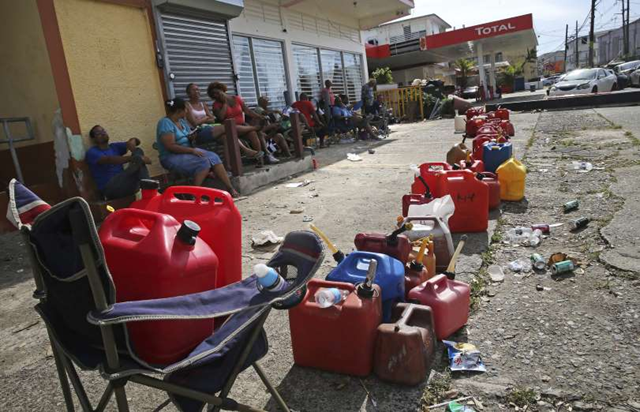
(492, 73)
(481, 73)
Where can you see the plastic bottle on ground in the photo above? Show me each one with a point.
(327, 297)
(268, 278)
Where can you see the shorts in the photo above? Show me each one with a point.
(188, 164)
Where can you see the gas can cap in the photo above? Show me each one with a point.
(188, 232)
(149, 184)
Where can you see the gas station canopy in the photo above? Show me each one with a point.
(509, 36)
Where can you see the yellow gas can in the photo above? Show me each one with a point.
(512, 175)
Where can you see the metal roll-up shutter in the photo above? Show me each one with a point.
(198, 51)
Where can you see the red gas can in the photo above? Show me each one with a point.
(476, 166)
(494, 189)
(473, 112)
(413, 199)
(406, 347)
(508, 128)
(473, 126)
(449, 300)
(478, 142)
(214, 211)
(471, 197)
(398, 247)
(502, 114)
(490, 129)
(340, 338)
(151, 255)
(430, 173)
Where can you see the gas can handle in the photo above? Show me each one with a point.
(436, 282)
(421, 218)
(427, 166)
(198, 193)
(406, 315)
(119, 215)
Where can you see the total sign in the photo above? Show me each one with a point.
(481, 31)
(495, 29)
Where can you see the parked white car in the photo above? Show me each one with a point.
(634, 78)
(585, 81)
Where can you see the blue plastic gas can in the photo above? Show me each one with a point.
(389, 276)
(495, 154)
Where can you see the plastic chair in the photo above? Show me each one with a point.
(87, 327)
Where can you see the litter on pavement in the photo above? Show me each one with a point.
(266, 238)
(464, 357)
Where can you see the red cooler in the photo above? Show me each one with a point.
(340, 338)
(151, 255)
(217, 215)
(449, 300)
(471, 197)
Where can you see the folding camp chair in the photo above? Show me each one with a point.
(87, 327)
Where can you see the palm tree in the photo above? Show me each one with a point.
(465, 66)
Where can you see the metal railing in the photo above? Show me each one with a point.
(11, 140)
(399, 100)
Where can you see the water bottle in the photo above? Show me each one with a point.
(269, 279)
(327, 297)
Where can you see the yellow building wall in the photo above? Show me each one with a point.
(110, 55)
(26, 81)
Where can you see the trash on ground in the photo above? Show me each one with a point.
(454, 406)
(464, 357)
(520, 266)
(524, 236)
(538, 261)
(266, 238)
(354, 157)
(565, 266)
(580, 223)
(583, 167)
(307, 218)
(559, 257)
(299, 184)
(571, 205)
(541, 288)
(495, 273)
(296, 211)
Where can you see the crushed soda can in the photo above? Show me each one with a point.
(464, 357)
(560, 257)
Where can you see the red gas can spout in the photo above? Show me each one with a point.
(365, 290)
(188, 232)
(427, 190)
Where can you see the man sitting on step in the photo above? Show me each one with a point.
(106, 162)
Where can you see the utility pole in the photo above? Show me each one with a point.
(577, 48)
(592, 35)
(566, 47)
(625, 42)
(628, 27)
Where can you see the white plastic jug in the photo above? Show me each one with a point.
(460, 124)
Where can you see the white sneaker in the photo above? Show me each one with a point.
(272, 159)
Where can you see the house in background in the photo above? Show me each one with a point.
(403, 36)
(114, 62)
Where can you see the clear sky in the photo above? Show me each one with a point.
(549, 16)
